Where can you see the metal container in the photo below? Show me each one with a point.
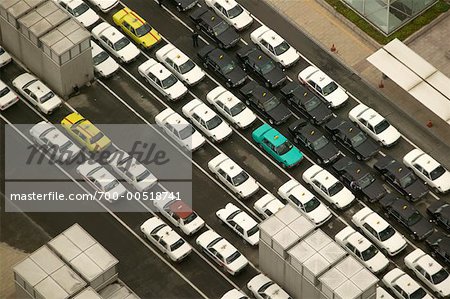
(383, 294)
(269, 228)
(318, 240)
(271, 263)
(88, 293)
(349, 266)
(288, 214)
(330, 281)
(366, 282)
(315, 266)
(299, 254)
(118, 290)
(302, 226)
(284, 240)
(348, 290)
(333, 253)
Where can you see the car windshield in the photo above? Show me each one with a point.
(366, 180)
(145, 174)
(169, 81)
(190, 218)
(383, 125)
(369, 253)
(437, 172)
(238, 108)
(253, 231)
(320, 143)
(386, 233)
(335, 189)
(284, 148)
(96, 138)
(418, 294)
(220, 28)
(46, 97)
(229, 67)
(176, 245)
(235, 11)
(358, 139)
(267, 67)
(214, 242)
(4, 91)
(111, 185)
(271, 104)
(265, 286)
(100, 57)
(240, 178)
(143, 30)
(414, 218)
(440, 276)
(233, 257)
(213, 123)
(121, 43)
(311, 205)
(407, 180)
(281, 48)
(2, 51)
(80, 9)
(329, 88)
(65, 146)
(312, 104)
(186, 132)
(187, 66)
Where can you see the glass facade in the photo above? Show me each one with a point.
(388, 15)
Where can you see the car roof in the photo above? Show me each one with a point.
(133, 18)
(227, 4)
(302, 93)
(375, 221)
(426, 161)
(112, 34)
(403, 208)
(224, 247)
(175, 119)
(371, 116)
(180, 208)
(320, 78)
(275, 137)
(325, 178)
(244, 220)
(228, 99)
(355, 170)
(258, 57)
(310, 132)
(230, 167)
(134, 167)
(272, 38)
(204, 112)
(219, 57)
(210, 19)
(407, 284)
(103, 176)
(429, 264)
(168, 234)
(55, 136)
(348, 129)
(358, 241)
(38, 88)
(159, 71)
(72, 3)
(397, 169)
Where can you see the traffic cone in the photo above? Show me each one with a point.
(333, 48)
(381, 84)
(429, 124)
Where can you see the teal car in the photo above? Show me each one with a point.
(278, 146)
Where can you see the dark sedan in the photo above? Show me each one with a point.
(439, 244)
(265, 102)
(215, 27)
(440, 212)
(306, 102)
(359, 180)
(254, 59)
(352, 138)
(407, 215)
(183, 5)
(401, 178)
(223, 65)
(314, 140)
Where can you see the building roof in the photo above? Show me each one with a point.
(44, 18)
(18, 8)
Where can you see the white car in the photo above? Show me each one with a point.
(275, 46)
(222, 252)
(101, 180)
(132, 171)
(268, 205)
(180, 130)
(180, 64)
(179, 214)
(429, 271)
(5, 58)
(80, 11)
(263, 287)
(335, 95)
(7, 96)
(295, 193)
(37, 93)
(234, 294)
(403, 286)
(58, 145)
(104, 65)
(166, 239)
(239, 221)
(379, 231)
(207, 120)
(104, 5)
(232, 12)
(233, 176)
(162, 79)
(428, 169)
(328, 187)
(233, 109)
(361, 248)
(375, 125)
(116, 43)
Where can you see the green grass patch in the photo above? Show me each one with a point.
(425, 18)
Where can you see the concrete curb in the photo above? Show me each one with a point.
(426, 28)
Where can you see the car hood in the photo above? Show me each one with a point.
(377, 263)
(195, 141)
(185, 3)
(344, 198)
(444, 182)
(248, 187)
(228, 37)
(321, 113)
(107, 67)
(374, 191)
(194, 75)
(242, 20)
(292, 157)
(52, 103)
(88, 18)
(337, 97)
(177, 90)
(10, 96)
(417, 189)
(106, 4)
(147, 183)
(182, 250)
(129, 52)
(389, 136)
(238, 264)
(151, 38)
(279, 113)
(423, 228)
(327, 152)
(245, 118)
(394, 243)
(289, 57)
(221, 131)
(320, 214)
(276, 75)
(444, 287)
(236, 75)
(367, 149)
(193, 226)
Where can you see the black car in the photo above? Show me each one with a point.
(264, 67)
(352, 138)
(216, 28)
(265, 102)
(223, 65)
(440, 246)
(401, 178)
(359, 179)
(314, 140)
(183, 5)
(440, 212)
(306, 102)
(407, 215)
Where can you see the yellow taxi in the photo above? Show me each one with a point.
(85, 132)
(136, 28)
